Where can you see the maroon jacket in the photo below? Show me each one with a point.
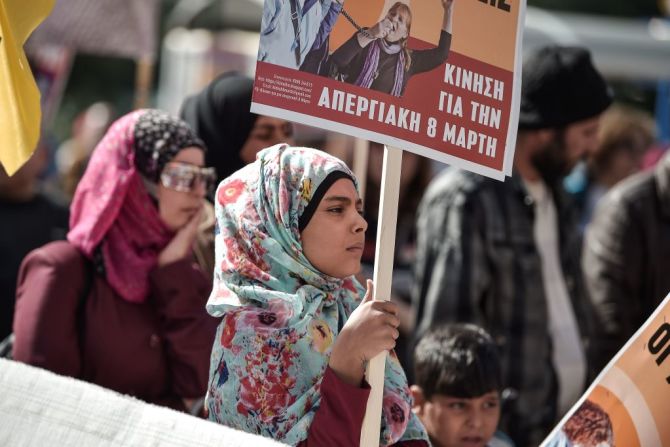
(339, 419)
(157, 351)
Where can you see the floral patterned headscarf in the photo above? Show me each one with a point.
(280, 314)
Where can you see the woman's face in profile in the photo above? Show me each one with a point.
(177, 207)
(266, 132)
(400, 22)
(334, 237)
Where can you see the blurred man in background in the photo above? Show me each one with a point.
(506, 256)
(626, 257)
(625, 136)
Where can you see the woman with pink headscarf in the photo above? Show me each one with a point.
(121, 302)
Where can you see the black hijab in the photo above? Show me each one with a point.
(220, 115)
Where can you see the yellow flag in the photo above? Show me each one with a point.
(20, 114)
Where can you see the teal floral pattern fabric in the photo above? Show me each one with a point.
(280, 314)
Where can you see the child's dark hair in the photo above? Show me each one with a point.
(459, 360)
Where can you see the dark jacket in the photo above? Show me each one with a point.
(477, 261)
(157, 351)
(349, 59)
(627, 257)
(24, 226)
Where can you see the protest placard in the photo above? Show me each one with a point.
(451, 96)
(440, 78)
(628, 404)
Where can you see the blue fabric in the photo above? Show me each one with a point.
(278, 40)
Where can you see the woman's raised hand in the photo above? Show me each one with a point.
(182, 243)
(448, 6)
(381, 29)
(371, 329)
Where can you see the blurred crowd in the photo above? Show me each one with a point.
(108, 246)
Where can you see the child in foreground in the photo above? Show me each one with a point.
(458, 387)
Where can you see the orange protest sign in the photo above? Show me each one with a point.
(628, 403)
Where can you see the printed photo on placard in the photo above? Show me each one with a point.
(628, 404)
(440, 78)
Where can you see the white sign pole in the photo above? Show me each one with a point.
(388, 215)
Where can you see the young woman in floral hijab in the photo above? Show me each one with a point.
(289, 356)
(120, 303)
